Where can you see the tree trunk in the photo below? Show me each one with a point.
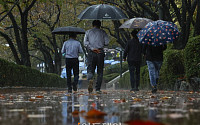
(25, 54)
(197, 24)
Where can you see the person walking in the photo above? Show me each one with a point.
(95, 39)
(154, 59)
(71, 48)
(132, 52)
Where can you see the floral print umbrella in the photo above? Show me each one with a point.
(158, 33)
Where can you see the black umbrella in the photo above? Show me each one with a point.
(102, 12)
(68, 30)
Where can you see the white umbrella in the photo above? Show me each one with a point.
(135, 23)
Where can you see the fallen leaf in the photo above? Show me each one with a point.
(75, 113)
(191, 99)
(152, 96)
(2, 97)
(39, 96)
(137, 99)
(95, 113)
(165, 98)
(119, 101)
(93, 105)
(82, 111)
(32, 100)
(154, 102)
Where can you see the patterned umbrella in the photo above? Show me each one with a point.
(158, 33)
(137, 22)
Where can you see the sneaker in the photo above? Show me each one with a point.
(90, 86)
(98, 92)
(69, 91)
(132, 90)
(154, 89)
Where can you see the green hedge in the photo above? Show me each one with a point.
(112, 71)
(109, 77)
(192, 58)
(17, 75)
(124, 82)
(192, 62)
(144, 78)
(115, 68)
(172, 68)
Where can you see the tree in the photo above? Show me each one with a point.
(180, 12)
(20, 30)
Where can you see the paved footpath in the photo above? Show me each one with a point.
(112, 107)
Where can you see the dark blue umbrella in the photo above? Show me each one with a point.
(158, 33)
(68, 30)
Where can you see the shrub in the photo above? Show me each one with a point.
(109, 77)
(144, 78)
(115, 68)
(172, 68)
(192, 57)
(192, 62)
(124, 82)
(17, 75)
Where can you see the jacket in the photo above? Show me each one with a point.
(154, 53)
(133, 50)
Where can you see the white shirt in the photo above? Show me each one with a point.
(71, 48)
(95, 38)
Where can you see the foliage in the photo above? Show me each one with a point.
(116, 68)
(192, 58)
(16, 75)
(124, 82)
(144, 78)
(109, 77)
(172, 68)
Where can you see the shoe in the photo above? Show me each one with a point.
(74, 87)
(98, 92)
(90, 86)
(154, 89)
(69, 91)
(132, 90)
(136, 89)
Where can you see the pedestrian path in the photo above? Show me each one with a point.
(51, 106)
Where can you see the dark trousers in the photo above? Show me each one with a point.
(95, 60)
(134, 69)
(72, 63)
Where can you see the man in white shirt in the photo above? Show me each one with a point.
(71, 48)
(95, 39)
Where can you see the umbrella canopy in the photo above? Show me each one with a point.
(136, 23)
(68, 30)
(158, 33)
(102, 12)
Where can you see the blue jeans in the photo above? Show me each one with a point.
(154, 69)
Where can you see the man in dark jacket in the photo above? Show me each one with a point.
(133, 51)
(154, 59)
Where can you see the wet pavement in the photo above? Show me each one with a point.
(115, 107)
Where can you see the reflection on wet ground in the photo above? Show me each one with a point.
(112, 107)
